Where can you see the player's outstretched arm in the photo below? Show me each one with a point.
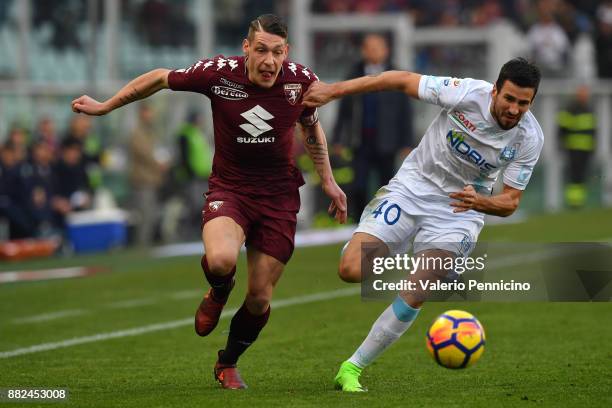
(320, 93)
(316, 147)
(501, 205)
(139, 88)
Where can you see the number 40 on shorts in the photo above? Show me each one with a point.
(391, 214)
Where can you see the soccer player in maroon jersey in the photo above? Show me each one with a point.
(253, 197)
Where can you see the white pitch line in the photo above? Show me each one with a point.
(186, 294)
(125, 304)
(298, 300)
(50, 316)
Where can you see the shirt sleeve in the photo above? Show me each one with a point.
(446, 92)
(310, 116)
(518, 172)
(194, 78)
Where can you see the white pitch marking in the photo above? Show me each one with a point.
(298, 300)
(186, 294)
(50, 316)
(125, 304)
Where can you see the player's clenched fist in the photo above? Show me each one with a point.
(319, 93)
(467, 199)
(88, 105)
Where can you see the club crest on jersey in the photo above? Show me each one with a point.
(215, 205)
(508, 153)
(293, 92)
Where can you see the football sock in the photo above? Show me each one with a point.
(221, 284)
(389, 327)
(244, 329)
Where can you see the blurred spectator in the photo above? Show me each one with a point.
(182, 29)
(154, 23)
(63, 16)
(146, 175)
(374, 126)
(80, 128)
(39, 187)
(182, 193)
(573, 21)
(603, 39)
(71, 191)
(489, 12)
(13, 199)
(195, 161)
(18, 138)
(577, 124)
(46, 132)
(548, 44)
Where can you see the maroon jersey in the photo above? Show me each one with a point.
(254, 126)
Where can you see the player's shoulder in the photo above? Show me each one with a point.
(223, 65)
(477, 87)
(295, 72)
(531, 131)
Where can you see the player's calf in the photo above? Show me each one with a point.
(209, 311)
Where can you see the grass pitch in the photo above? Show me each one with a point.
(537, 354)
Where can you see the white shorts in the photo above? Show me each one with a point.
(403, 220)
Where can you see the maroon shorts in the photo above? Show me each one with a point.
(268, 222)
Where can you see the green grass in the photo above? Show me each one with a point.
(537, 354)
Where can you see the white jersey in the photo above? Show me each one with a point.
(465, 145)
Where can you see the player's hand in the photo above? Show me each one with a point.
(466, 200)
(337, 208)
(319, 93)
(88, 105)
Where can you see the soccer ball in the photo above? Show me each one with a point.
(456, 339)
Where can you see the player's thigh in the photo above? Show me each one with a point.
(351, 260)
(389, 217)
(223, 237)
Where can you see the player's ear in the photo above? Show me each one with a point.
(245, 46)
(494, 91)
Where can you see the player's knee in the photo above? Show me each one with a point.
(258, 301)
(221, 262)
(349, 271)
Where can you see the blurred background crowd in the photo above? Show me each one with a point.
(154, 159)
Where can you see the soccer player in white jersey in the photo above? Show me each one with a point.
(437, 200)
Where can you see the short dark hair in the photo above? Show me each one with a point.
(269, 23)
(521, 72)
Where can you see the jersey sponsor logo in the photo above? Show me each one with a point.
(462, 149)
(293, 92)
(228, 93)
(455, 82)
(460, 116)
(214, 206)
(230, 83)
(257, 125)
